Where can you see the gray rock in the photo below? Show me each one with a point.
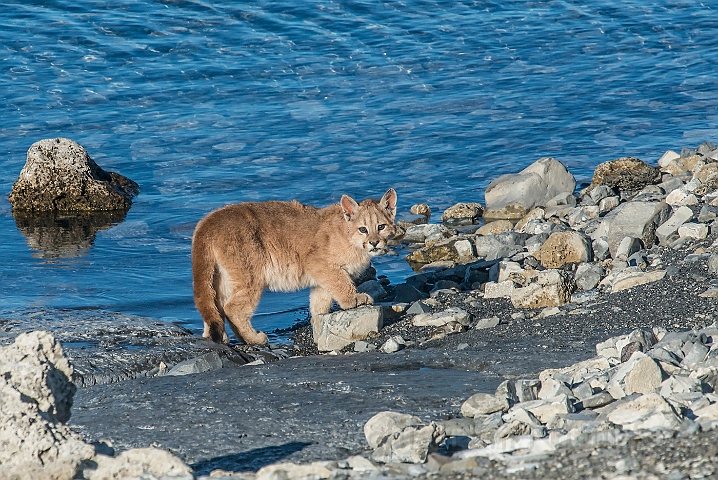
(491, 247)
(204, 363)
(405, 293)
(417, 308)
(59, 175)
(513, 195)
(486, 323)
(713, 264)
(587, 276)
(627, 247)
(669, 228)
(339, 329)
(630, 277)
(527, 390)
(707, 214)
(598, 400)
(374, 289)
(484, 404)
(599, 192)
(601, 249)
(632, 219)
(641, 374)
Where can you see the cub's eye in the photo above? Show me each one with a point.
(381, 227)
(363, 230)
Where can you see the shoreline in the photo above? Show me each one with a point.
(244, 408)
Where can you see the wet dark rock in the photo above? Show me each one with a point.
(60, 176)
(106, 347)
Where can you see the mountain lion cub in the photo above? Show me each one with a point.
(241, 249)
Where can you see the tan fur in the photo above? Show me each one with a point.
(241, 249)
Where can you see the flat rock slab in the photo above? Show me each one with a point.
(106, 347)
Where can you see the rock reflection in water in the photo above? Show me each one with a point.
(61, 235)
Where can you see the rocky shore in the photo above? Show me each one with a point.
(572, 337)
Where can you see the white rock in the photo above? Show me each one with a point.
(627, 247)
(640, 374)
(631, 277)
(649, 411)
(632, 219)
(680, 384)
(393, 344)
(486, 323)
(547, 408)
(670, 227)
(607, 204)
(667, 158)
(484, 404)
(411, 445)
(35, 399)
(551, 388)
(693, 230)
(499, 290)
(513, 195)
(506, 268)
(387, 423)
(680, 197)
(139, 462)
(339, 329)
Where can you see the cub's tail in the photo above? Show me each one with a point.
(205, 297)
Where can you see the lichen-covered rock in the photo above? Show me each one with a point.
(626, 174)
(60, 176)
(463, 213)
(564, 247)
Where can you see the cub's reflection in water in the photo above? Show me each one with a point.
(64, 234)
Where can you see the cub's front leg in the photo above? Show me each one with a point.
(335, 283)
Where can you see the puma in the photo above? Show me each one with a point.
(242, 249)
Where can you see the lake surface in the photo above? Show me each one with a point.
(207, 103)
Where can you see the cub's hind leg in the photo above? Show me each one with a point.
(320, 302)
(239, 309)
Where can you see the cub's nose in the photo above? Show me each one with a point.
(374, 244)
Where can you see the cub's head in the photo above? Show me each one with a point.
(371, 222)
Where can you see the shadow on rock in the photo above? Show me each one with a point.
(251, 460)
(62, 235)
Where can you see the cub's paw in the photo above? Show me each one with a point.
(362, 299)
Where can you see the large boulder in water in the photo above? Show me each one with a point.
(60, 176)
(515, 194)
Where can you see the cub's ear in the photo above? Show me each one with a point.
(388, 202)
(349, 206)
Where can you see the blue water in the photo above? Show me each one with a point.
(206, 103)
